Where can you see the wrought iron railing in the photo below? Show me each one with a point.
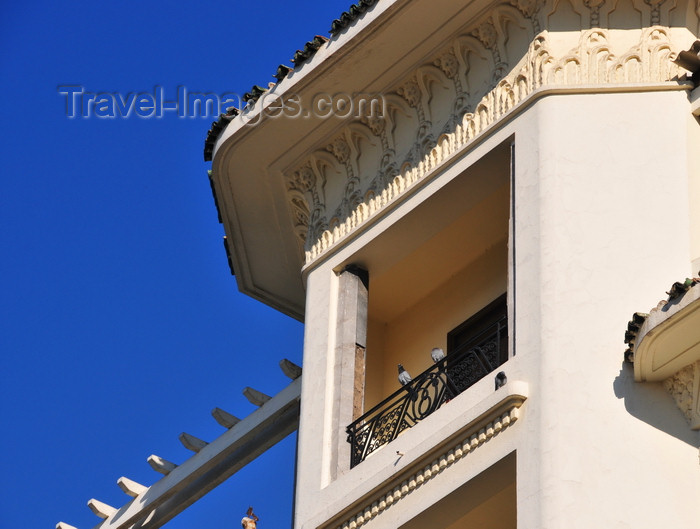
(428, 391)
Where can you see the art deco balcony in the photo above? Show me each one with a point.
(471, 361)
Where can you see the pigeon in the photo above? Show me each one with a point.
(501, 379)
(404, 377)
(249, 521)
(437, 354)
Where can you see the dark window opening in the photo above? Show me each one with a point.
(474, 349)
(479, 345)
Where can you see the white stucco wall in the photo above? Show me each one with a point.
(602, 228)
(692, 153)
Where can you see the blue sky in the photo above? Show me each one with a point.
(121, 326)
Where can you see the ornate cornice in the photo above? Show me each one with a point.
(471, 438)
(448, 102)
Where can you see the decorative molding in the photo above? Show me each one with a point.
(655, 6)
(684, 387)
(594, 7)
(664, 346)
(471, 439)
(668, 338)
(449, 102)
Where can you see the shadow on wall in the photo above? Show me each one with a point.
(651, 403)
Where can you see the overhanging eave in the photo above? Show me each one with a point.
(669, 340)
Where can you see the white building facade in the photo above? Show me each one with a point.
(532, 180)
(542, 153)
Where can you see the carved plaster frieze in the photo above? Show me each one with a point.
(527, 7)
(684, 387)
(594, 7)
(445, 104)
(655, 6)
(490, 37)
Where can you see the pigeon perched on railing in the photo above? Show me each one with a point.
(249, 521)
(404, 377)
(437, 354)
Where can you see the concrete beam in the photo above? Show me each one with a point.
(131, 488)
(215, 463)
(290, 369)
(255, 397)
(191, 442)
(100, 509)
(224, 418)
(161, 465)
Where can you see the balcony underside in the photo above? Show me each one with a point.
(487, 501)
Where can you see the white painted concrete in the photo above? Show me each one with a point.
(602, 169)
(593, 174)
(212, 465)
(130, 487)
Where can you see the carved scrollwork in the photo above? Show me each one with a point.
(303, 179)
(655, 6)
(306, 201)
(376, 124)
(410, 92)
(486, 33)
(486, 75)
(594, 7)
(447, 62)
(340, 149)
(526, 7)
